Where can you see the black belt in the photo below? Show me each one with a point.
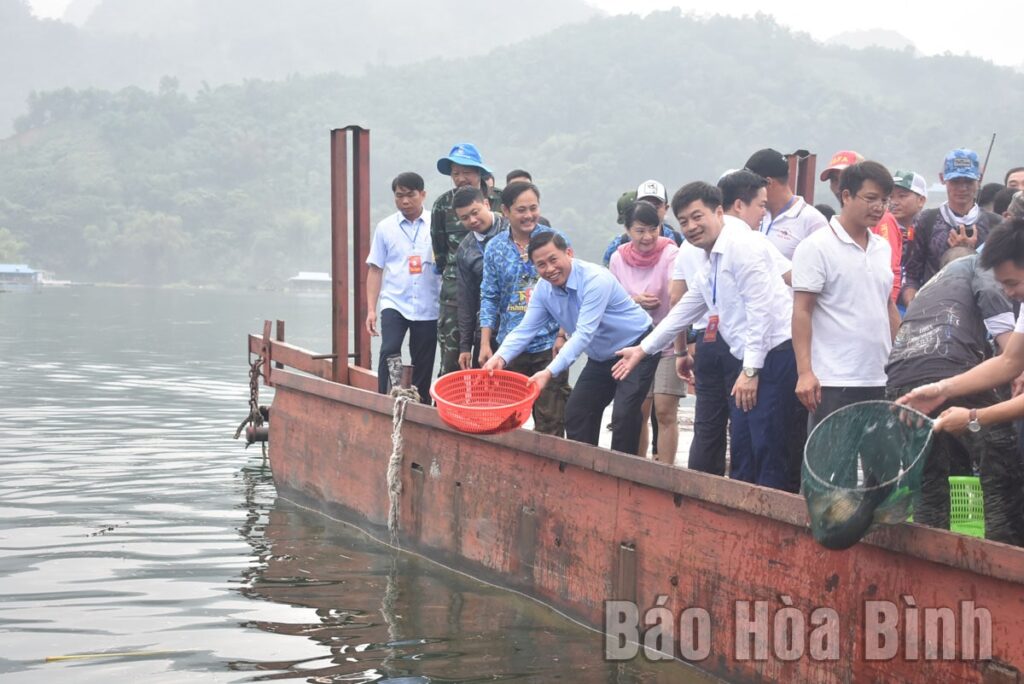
(640, 339)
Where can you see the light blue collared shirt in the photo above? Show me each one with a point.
(593, 308)
(402, 249)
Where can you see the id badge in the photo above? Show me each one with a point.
(415, 264)
(711, 332)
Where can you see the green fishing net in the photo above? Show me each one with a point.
(862, 466)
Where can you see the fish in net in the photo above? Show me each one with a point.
(862, 466)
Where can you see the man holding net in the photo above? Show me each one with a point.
(935, 365)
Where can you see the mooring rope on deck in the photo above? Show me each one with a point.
(394, 475)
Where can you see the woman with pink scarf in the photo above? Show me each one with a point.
(644, 267)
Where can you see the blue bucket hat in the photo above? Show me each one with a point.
(961, 163)
(465, 154)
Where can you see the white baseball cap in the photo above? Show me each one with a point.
(652, 188)
(908, 180)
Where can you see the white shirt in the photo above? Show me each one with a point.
(850, 335)
(1001, 323)
(1020, 322)
(739, 281)
(401, 248)
(793, 224)
(689, 260)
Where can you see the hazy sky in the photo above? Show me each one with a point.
(983, 28)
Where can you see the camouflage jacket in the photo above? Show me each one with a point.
(445, 234)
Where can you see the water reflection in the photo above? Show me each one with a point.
(386, 616)
(138, 542)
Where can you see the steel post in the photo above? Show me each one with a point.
(339, 254)
(360, 238)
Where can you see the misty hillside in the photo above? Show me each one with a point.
(117, 43)
(891, 40)
(230, 185)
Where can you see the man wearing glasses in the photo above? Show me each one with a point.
(887, 227)
(843, 313)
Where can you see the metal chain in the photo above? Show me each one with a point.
(255, 416)
(255, 373)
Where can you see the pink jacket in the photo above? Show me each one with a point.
(654, 280)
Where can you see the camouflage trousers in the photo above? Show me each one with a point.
(993, 451)
(448, 338)
(549, 409)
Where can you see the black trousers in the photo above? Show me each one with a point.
(595, 389)
(835, 398)
(549, 409)
(716, 370)
(797, 442)
(993, 451)
(422, 350)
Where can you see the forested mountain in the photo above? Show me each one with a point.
(118, 43)
(230, 185)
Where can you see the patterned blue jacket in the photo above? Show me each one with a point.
(509, 278)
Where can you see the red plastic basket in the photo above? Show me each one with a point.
(482, 402)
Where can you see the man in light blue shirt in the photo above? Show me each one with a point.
(402, 277)
(589, 304)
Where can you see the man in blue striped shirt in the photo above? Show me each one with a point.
(401, 275)
(509, 279)
(599, 316)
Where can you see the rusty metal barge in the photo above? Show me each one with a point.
(575, 526)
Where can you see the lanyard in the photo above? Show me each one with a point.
(714, 285)
(416, 235)
(791, 202)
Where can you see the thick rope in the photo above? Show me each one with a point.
(394, 475)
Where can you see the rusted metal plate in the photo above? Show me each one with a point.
(361, 378)
(998, 560)
(697, 540)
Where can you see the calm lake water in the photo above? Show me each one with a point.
(139, 542)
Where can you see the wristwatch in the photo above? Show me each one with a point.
(973, 425)
(751, 372)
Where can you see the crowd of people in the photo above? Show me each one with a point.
(777, 315)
